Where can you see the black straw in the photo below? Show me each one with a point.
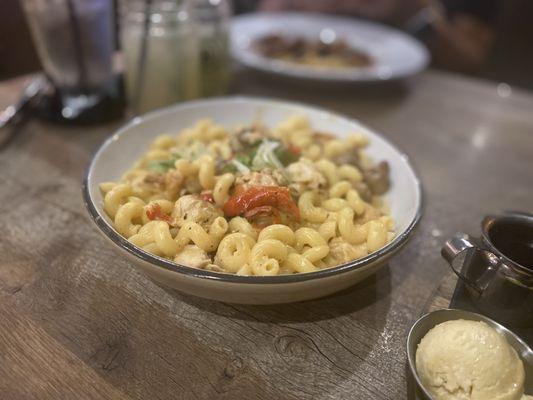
(78, 45)
(142, 56)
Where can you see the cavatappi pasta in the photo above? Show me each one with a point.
(254, 201)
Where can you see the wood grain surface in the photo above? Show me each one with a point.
(79, 322)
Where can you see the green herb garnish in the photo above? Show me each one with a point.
(285, 155)
(243, 158)
(162, 166)
(229, 167)
(265, 157)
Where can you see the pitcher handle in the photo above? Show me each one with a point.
(458, 244)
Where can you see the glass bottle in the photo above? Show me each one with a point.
(168, 72)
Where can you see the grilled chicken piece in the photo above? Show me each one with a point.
(193, 256)
(247, 137)
(377, 178)
(341, 252)
(364, 191)
(191, 208)
(304, 176)
(267, 177)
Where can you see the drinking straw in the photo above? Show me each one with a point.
(78, 45)
(142, 56)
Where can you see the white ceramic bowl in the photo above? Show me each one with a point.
(118, 153)
(395, 54)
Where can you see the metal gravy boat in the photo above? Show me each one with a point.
(497, 268)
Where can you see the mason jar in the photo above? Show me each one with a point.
(160, 48)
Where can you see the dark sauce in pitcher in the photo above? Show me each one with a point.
(513, 237)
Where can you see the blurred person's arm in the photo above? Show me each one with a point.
(382, 10)
(460, 41)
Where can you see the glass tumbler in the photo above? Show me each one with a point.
(75, 42)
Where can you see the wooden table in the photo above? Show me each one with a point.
(79, 322)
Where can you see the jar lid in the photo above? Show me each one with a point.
(161, 12)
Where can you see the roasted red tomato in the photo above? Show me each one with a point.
(294, 150)
(207, 196)
(154, 212)
(263, 216)
(258, 196)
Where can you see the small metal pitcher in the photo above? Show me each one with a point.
(497, 268)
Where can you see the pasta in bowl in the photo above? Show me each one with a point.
(278, 199)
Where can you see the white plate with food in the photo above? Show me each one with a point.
(252, 200)
(326, 48)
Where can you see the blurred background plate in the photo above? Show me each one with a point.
(395, 54)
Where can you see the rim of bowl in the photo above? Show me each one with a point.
(124, 244)
(351, 75)
(481, 317)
